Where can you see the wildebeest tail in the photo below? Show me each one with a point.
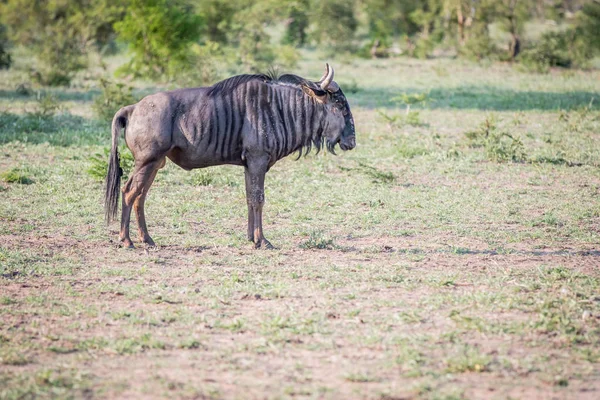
(113, 177)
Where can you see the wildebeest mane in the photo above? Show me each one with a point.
(228, 85)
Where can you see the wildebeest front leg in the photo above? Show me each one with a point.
(250, 208)
(255, 174)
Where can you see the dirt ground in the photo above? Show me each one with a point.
(302, 323)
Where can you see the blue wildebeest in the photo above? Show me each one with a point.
(248, 120)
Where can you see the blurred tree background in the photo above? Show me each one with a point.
(195, 42)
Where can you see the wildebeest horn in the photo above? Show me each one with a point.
(327, 82)
(325, 74)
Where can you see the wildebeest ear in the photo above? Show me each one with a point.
(317, 94)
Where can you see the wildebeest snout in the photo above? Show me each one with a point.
(347, 143)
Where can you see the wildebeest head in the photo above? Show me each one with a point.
(328, 91)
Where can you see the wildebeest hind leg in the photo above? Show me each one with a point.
(138, 206)
(131, 191)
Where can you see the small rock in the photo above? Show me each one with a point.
(586, 314)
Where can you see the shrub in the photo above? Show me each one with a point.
(298, 20)
(159, 33)
(480, 45)
(202, 177)
(204, 70)
(5, 57)
(112, 97)
(15, 175)
(99, 163)
(333, 24)
(46, 106)
(410, 99)
(499, 145)
(549, 51)
(318, 240)
(557, 49)
(60, 33)
(423, 48)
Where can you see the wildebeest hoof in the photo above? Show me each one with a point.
(128, 244)
(264, 244)
(148, 242)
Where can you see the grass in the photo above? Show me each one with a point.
(439, 259)
(15, 175)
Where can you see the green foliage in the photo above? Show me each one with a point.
(390, 18)
(254, 50)
(46, 106)
(469, 359)
(63, 129)
(410, 117)
(15, 175)
(409, 99)
(422, 48)
(512, 16)
(249, 42)
(59, 33)
(204, 68)
(42, 118)
(334, 24)
(394, 121)
(479, 46)
(60, 60)
(297, 24)
(565, 49)
(218, 17)
(588, 23)
(550, 51)
(159, 34)
(99, 163)
(499, 145)
(318, 240)
(112, 98)
(202, 177)
(5, 57)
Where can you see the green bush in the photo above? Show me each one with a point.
(112, 97)
(159, 34)
(60, 56)
(318, 240)
(204, 70)
(5, 57)
(549, 51)
(499, 146)
(423, 48)
(46, 107)
(298, 17)
(15, 175)
(557, 49)
(480, 45)
(333, 24)
(99, 163)
(60, 33)
(202, 177)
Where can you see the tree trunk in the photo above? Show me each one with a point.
(515, 47)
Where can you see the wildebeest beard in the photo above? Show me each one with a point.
(318, 141)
